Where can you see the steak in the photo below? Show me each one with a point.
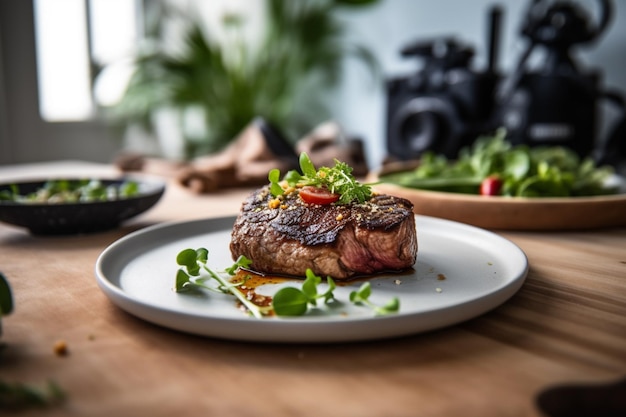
(288, 236)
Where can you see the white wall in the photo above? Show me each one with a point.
(388, 26)
(359, 105)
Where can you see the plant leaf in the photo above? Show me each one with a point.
(365, 291)
(307, 167)
(274, 175)
(188, 259)
(290, 301)
(6, 299)
(392, 306)
(202, 255)
(182, 278)
(241, 262)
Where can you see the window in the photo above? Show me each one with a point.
(74, 37)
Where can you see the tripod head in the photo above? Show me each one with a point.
(560, 25)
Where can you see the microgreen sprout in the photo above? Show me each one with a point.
(274, 177)
(362, 295)
(189, 277)
(290, 301)
(194, 274)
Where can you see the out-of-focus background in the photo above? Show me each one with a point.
(207, 66)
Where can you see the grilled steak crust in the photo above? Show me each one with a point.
(341, 241)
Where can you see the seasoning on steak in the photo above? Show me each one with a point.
(286, 236)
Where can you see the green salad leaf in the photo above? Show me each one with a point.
(72, 191)
(542, 171)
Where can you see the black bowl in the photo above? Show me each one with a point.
(82, 217)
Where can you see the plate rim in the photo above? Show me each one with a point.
(338, 329)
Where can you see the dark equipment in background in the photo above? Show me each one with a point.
(446, 105)
(558, 103)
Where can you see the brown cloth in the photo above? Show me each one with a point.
(250, 157)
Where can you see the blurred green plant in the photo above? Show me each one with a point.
(229, 83)
(18, 396)
(6, 299)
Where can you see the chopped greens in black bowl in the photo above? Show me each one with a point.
(73, 205)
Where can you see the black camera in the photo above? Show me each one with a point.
(447, 105)
(556, 104)
(441, 108)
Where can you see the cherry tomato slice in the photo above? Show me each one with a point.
(491, 186)
(317, 195)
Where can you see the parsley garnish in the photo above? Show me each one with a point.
(338, 180)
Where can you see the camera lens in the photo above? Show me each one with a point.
(422, 124)
(420, 130)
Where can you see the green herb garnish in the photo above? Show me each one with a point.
(190, 277)
(362, 295)
(288, 301)
(338, 180)
(542, 171)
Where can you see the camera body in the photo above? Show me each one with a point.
(446, 105)
(553, 109)
(441, 108)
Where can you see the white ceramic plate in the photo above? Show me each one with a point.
(461, 272)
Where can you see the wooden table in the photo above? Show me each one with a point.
(567, 325)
